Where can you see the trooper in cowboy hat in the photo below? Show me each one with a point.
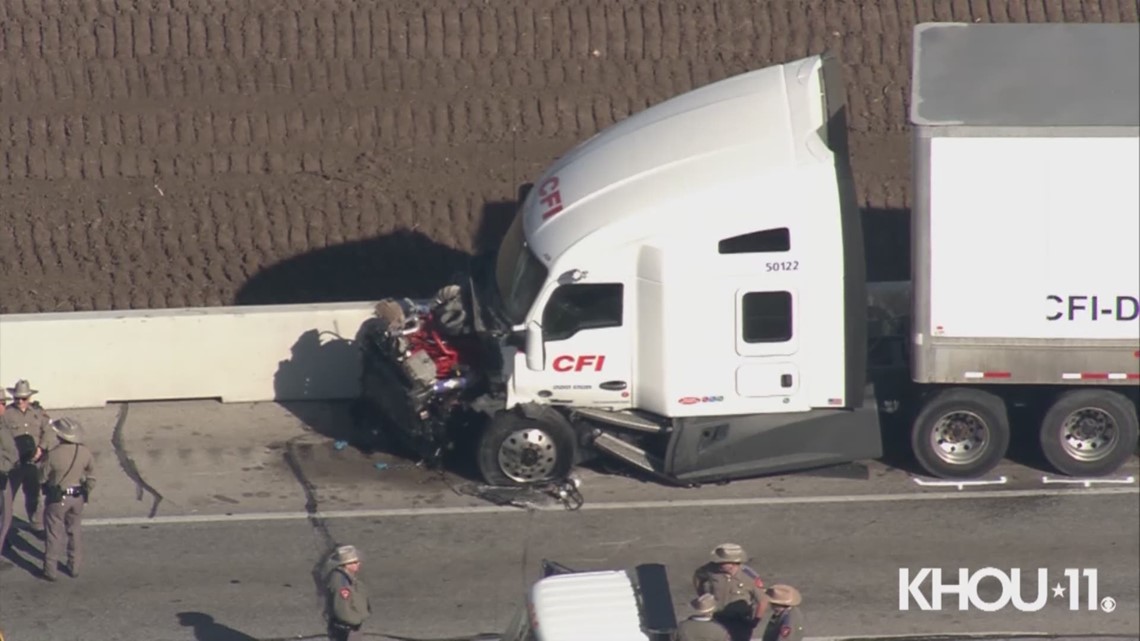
(68, 478)
(740, 599)
(9, 460)
(788, 620)
(349, 606)
(27, 422)
(701, 626)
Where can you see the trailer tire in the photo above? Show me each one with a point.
(954, 410)
(524, 448)
(1066, 437)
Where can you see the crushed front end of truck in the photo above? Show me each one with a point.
(424, 372)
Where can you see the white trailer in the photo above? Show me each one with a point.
(1026, 241)
(686, 290)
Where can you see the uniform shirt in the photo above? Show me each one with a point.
(58, 461)
(33, 422)
(727, 589)
(786, 626)
(349, 598)
(9, 455)
(697, 628)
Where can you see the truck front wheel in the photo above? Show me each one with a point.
(516, 449)
(1089, 432)
(961, 433)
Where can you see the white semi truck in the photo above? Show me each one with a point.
(686, 290)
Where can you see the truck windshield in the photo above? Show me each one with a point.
(519, 274)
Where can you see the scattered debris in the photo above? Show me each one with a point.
(530, 497)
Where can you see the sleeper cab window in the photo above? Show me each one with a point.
(573, 308)
(766, 317)
(758, 242)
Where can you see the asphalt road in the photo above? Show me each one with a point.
(448, 575)
(209, 521)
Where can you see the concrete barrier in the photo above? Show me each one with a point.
(237, 354)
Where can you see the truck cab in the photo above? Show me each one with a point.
(692, 260)
(690, 273)
(685, 292)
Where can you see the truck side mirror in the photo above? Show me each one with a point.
(535, 349)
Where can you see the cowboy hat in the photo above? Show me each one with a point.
(785, 595)
(68, 429)
(345, 554)
(704, 604)
(22, 389)
(728, 553)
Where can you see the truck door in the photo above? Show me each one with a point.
(768, 320)
(587, 338)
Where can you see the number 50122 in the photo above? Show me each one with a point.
(782, 266)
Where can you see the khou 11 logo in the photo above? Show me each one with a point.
(967, 590)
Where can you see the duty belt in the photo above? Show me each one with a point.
(75, 490)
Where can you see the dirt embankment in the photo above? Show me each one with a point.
(166, 153)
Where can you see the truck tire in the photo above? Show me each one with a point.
(1089, 432)
(960, 433)
(521, 449)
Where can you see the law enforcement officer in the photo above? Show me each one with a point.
(28, 424)
(9, 459)
(701, 626)
(740, 600)
(788, 620)
(348, 596)
(68, 478)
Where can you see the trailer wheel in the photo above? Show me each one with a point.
(517, 449)
(961, 433)
(1089, 432)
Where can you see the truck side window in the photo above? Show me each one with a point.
(757, 242)
(766, 317)
(572, 308)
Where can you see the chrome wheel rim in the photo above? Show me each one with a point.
(528, 455)
(1089, 434)
(959, 437)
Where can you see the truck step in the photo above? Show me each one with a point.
(627, 420)
(628, 452)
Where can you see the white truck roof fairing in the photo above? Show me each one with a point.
(726, 132)
(599, 606)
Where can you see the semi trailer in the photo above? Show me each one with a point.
(686, 291)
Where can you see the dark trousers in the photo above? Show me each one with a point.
(26, 477)
(62, 524)
(7, 503)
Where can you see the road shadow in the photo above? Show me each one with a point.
(21, 552)
(207, 629)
